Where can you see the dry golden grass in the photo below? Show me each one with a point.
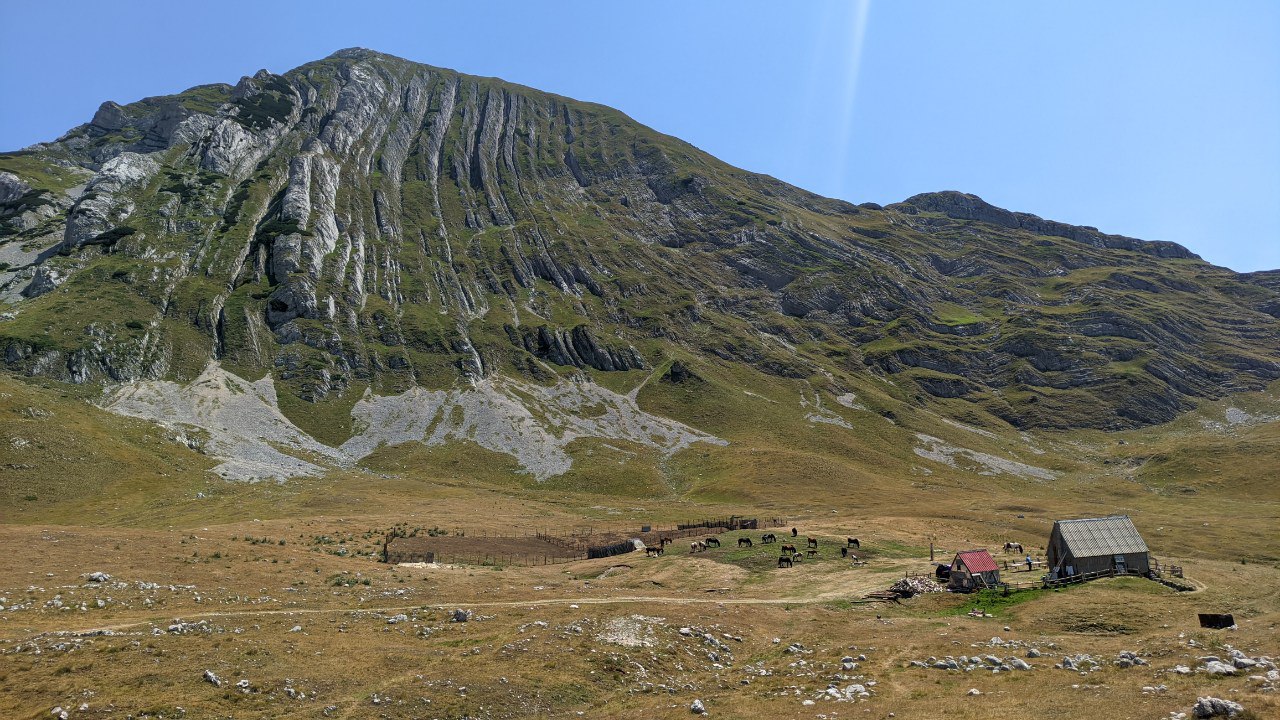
(254, 561)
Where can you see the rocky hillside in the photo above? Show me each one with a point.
(364, 224)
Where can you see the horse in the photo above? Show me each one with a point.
(813, 542)
(744, 542)
(794, 532)
(769, 538)
(1013, 546)
(696, 546)
(796, 557)
(664, 541)
(786, 561)
(653, 551)
(712, 542)
(853, 542)
(813, 552)
(789, 549)
(844, 552)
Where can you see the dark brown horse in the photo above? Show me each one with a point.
(744, 542)
(853, 542)
(786, 561)
(712, 542)
(769, 538)
(788, 549)
(813, 542)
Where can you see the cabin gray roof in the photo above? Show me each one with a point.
(1093, 537)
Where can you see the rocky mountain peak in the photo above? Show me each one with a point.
(364, 222)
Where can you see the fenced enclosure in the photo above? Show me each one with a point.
(550, 546)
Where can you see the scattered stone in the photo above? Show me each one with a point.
(395, 619)
(1212, 707)
(697, 708)
(98, 577)
(974, 691)
(296, 628)
(243, 686)
(212, 679)
(1018, 664)
(1217, 667)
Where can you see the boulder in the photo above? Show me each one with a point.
(1212, 707)
(697, 708)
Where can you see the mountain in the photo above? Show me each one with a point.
(366, 251)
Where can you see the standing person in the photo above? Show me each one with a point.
(1028, 563)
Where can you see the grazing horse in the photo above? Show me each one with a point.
(796, 557)
(653, 551)
(744, 542)
(853, 542)
(664, 541)
(813, 552)
(813, 542)
(788, 549)
(697, 546)
(712, 542)
(769, 538)
(1013, 546)
(786, 561)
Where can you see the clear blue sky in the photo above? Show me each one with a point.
(1159, 120)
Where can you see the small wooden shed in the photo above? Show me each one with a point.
(973, 569)
(1096, 545)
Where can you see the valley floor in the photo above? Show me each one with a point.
(292, 615)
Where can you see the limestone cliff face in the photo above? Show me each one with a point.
(364, 219)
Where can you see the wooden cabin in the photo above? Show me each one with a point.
(973, 570)
(1096, 546)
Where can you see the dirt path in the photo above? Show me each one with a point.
(621, 600)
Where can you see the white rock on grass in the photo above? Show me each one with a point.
(974, 691)
(1212, 707)
(697, 708)
(209, 677)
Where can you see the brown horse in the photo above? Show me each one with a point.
(712, 542)
(788, 549)
(786, 561)
(853, 542)
(813, 542)
(813, 552)
(664, 541)
(744, 542)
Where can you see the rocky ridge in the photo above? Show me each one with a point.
(367, 222)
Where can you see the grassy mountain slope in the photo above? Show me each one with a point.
(363, 223)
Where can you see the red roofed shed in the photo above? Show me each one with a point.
(973, 569)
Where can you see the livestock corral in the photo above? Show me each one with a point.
(550, 547)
